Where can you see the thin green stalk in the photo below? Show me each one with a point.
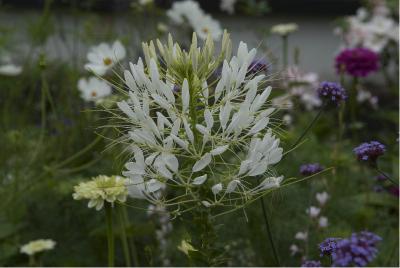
(131, 241)
(268, 227)
(353, 99)
(110, 234)
(386, 176)
(285, 51)
(124, 237)
(32, 261)
(308, 128)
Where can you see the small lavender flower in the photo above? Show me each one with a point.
(358, 62)
(369, 151)
(332, 93)
(328, 246)
(380, 177)
(311, 264)
(310, 169)
(358, 250)
(257, 66)
(394, 190)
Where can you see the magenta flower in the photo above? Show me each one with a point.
(358, 62)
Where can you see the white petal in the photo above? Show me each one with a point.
(202, 163)
(231, 186)
(185, 96)
(208, 118)
(123, 106)
(260, 125)
(216, 188)
(200, 180)
(219, 150)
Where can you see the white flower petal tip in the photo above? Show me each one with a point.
(200, 180)
(216, 188)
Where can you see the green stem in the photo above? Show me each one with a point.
(124, 237)
(32, 261)
(131, 241)
(268, 227)
(308, 128)
(110, 234)
(80, 153)
(386, 176)
(353, 99)
(285, 51)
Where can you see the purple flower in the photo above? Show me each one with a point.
(328, 246)
(369, 151)
(358, 250)
(380, 177)
(358, 62)
(311, 264)
(257, 66)
(378, 188)
(310, 169)
(332, 93)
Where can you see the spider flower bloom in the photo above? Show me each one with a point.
(37, 246)
(208, 142)
(332, 93)
(369, 151)
(358, 250)
(358, 62)
(311, 264)
(310, 169)
(102, 188)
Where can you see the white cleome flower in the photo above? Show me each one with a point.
(104, 56)
(211, 140)
(102, 189)
(228, 6)
(323, 222)
(37, 246)
(322, 198)
(284, 29)
(93, 89)
(7, 67)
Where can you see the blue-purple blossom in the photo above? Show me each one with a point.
(328, 246)
(331, 93)
(257, 66)
(369, 151)
(311, 264)
(358, 250)
(310, 169)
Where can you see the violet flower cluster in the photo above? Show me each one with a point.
(310, 169)
(311, 264)
(332, 93)
(358, 250)
(369, 151)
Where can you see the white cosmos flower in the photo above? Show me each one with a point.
(284, 29)
(209, 140)
(182, 11)
(205, 25)
(322, 198)
(372, 31)
(104, 56)
(188, 11)
(93, 89)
